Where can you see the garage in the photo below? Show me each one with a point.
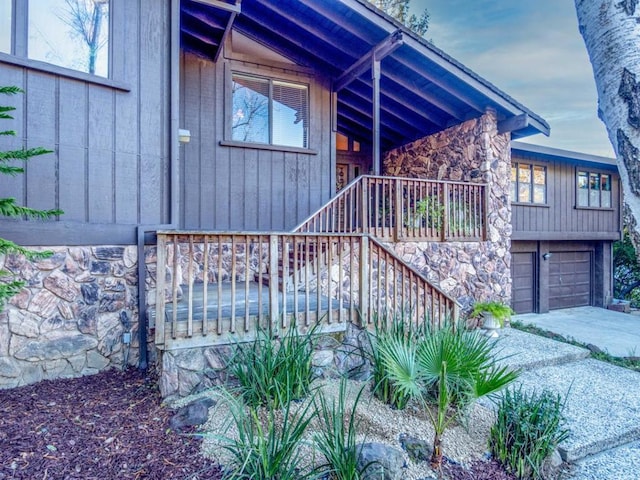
(523, 276)
(570, 279)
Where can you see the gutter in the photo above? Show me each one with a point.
(174, 185)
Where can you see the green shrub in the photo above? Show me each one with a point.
(528, 428)
(273, 371)
(394, 343)
(264, 443)
(336, 438)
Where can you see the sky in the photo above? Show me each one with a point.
(531, 50)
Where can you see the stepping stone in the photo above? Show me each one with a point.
(622, 463)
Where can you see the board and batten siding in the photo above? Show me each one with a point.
(244, 188)
(110, 168)
(559, 219)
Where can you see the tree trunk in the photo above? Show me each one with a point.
(611, 32)
(436, 456)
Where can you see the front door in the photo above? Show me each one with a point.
(351, 161)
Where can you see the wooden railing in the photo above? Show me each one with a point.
(404, 209)
(215, 288)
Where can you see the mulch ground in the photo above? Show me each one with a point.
(113, 426)
(106, 426)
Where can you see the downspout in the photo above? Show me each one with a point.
(174, 184)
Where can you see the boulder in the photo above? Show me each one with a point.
(382, 462)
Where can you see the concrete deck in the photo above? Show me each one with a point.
(614, 332)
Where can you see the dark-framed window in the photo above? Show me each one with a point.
(72, 34)
(528, 183)
(593, 189)
(269, 111)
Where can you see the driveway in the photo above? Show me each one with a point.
(614, 332)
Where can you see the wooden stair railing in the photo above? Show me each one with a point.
(405, 209)
(206, 296)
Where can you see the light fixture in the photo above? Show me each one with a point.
(184, 136)
(547, 255)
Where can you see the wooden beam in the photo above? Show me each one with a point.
(234, 8)
(516, 122)
(232, 18)
(384, 48)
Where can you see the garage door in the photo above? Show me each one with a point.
(523, 275)
(569, 279)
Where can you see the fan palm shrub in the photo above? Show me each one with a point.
(394, 342)
(447, 369)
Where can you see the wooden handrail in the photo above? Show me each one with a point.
(211, 289)
(405, 209)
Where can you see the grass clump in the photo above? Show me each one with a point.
(528, 428)
(274, 371)
(336, 438)
(264, 443)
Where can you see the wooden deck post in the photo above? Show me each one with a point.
(364, 280)
(161, 275)
(274, 289)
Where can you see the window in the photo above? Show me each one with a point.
(529, 183)
(5, 26)
(594, 189)
(269, 111)
(69, 33)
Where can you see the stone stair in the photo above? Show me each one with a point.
(602, 403)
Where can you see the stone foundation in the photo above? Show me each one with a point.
(471, 152)
(192, 370)
(70, 318)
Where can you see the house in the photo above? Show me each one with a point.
(199, 149)
(566, 212)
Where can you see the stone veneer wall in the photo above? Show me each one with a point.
(470, 152)
(69, 319)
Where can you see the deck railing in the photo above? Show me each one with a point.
(405, 209)
(217, 288)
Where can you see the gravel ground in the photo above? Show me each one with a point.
(465, 449)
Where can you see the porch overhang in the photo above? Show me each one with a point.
(422, 89)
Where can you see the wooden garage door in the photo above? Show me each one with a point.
(569, 279)
(523, 275)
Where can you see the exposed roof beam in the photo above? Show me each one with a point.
(517, 122)
(202, 17)
(381, 50)
(232, 17)
(202, 38)
(229, 7)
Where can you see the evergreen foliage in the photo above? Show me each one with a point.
(399, 9)
(9, 285)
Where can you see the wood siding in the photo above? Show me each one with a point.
(559, 219)
(245, 188)
(110, 169)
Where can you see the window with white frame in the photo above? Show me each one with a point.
(72, 34)
(528, 183)
(593, 189)
(269, 111)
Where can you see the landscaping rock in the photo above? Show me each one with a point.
(417, 449)
(195, 413)
(384, 462)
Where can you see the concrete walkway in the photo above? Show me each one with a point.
(602, 401)
(614, 332)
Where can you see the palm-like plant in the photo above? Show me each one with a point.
(452, 369)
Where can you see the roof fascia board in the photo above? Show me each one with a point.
(558, 153)
(229, 7)
(377, 53)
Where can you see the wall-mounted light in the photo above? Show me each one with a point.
(547, 256)
(184, 136)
